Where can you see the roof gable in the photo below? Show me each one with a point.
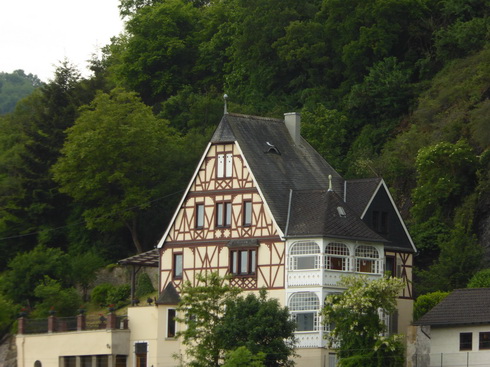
(461, 307)
(324, 213)
(276, 171)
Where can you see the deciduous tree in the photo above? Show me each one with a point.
(357, 326)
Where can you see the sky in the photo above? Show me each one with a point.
(36, 35)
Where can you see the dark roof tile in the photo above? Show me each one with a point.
(461, 307)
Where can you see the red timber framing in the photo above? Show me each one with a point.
(206, 248)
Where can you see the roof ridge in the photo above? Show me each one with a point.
(256, 117)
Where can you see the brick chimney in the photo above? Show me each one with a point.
(293, 123)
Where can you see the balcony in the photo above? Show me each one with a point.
(81, 322)
(322, 277)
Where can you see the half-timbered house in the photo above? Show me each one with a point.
(264, 207)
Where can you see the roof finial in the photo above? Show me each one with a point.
(225, 97)
(329, 182)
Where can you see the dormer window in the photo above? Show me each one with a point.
(341, 212)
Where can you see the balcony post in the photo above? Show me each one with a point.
(51, 324)
(111, 320)
(81, 322)
(22, 323)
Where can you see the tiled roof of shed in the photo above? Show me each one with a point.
(291, 166)
(148, 258)
(461, 307)
(317, 213)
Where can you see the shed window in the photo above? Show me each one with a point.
(465, 341)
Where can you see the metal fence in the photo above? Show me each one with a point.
(65, 324)
(461, 359)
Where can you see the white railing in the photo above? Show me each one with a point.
(311, 339)
(320, 277)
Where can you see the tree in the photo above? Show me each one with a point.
(358, 328)
(242, 357)
(54, 297)
(261, 325)
(201, 308)
(83, 270)
(26, 270)
(426, 302)
(118, 158)
(480, 279)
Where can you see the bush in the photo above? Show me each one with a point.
(119, 296)
(65, 301)
(99, 294)
(480, 279)
(426, 302)
(144, 286)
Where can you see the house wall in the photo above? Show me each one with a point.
(207, 248)
(47, 348)
(149, 325)
(444, 347)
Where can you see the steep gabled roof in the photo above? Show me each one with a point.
(319, 213)
(276, 162)
(358, 193)
(169, 296)
(461, 307)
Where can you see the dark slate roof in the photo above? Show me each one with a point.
(289, 167)
(169, 296)
(317, 213)
(461, 307)
(359, 192)
(148, 258)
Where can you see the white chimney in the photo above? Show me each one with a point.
(293, 123)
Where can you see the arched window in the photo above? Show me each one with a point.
(304, 256)
(304, 307)
(337, 256)
(367, 259)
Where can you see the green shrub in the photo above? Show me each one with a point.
(144, 286)
(119, 296)
(426, 302)
(100, 293)
(480, 279)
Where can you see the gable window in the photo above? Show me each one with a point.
(304, 256)
(337, 256)
(380, 221)
(484, 340)
(223, 214)
(304, 307)
(171, 324)
(465, 341)
(243, 261)
(224, 165)
(367, 259)
(178, 266)
(247, 213)
(200, 216)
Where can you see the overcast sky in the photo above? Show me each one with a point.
(35, 35)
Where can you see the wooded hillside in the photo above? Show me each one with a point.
(391, 88)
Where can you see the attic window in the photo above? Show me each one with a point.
(341, 212)
(271, 148)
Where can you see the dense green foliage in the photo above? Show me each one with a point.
(14, 87)
(357, 327)
(222, 325)
(144, 286)
(480, 279)
(391, 88)
(426, 302)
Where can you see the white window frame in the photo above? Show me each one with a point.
(303, 251)
(337, 250)
(302, 303)
(365, 254)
